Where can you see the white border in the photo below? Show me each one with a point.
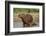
(25, 29)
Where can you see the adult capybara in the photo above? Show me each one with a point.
(27, 19)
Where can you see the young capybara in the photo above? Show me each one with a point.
(27, 19)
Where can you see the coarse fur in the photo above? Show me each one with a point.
(27, 19)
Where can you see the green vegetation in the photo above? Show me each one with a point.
(27, 10)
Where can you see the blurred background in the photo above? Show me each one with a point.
(17, 22)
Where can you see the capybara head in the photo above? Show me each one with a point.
(21, 15)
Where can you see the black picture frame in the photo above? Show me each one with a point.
(7, 16)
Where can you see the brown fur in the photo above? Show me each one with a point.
(26, 18)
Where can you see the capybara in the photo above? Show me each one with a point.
(27, 19)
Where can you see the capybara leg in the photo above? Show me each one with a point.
(23, 25)
(28, 25)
